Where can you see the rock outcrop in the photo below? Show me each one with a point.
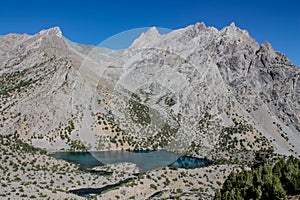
(196, 90)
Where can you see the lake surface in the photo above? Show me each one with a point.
(145, 160)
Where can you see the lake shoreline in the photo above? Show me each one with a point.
(145, 160)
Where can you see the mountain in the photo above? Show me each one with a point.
(197, 91)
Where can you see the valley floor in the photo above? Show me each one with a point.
(29, 173)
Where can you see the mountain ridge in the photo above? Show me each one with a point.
(204, 85)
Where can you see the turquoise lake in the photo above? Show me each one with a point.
(145, 160)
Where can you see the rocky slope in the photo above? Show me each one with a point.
(208, 92)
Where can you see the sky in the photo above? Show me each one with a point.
(91, 22)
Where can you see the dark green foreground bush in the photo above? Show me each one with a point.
(263, 182)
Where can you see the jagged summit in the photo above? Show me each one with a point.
(152, 32)
(267, 45)
(200, 26)
(232, 24)
(197, 91)
(51, 31)
(231, 29)
(152, 35)
(220, 77)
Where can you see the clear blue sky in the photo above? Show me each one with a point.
(90, 22)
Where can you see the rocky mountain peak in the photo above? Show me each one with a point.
(51, 38)
(200, 26)
(230, 28)
(196, 28)
(152, 32)
(146, 39)
(234, 31)
(232, 25)
(267, 46)
(51, 31)
(223, 80)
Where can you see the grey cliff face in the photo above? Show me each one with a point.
(198, 89)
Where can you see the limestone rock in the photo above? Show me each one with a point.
(191, 88)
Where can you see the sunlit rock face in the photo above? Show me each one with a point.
(196, 90)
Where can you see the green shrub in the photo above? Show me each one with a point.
(263, 182)
(153, 186)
